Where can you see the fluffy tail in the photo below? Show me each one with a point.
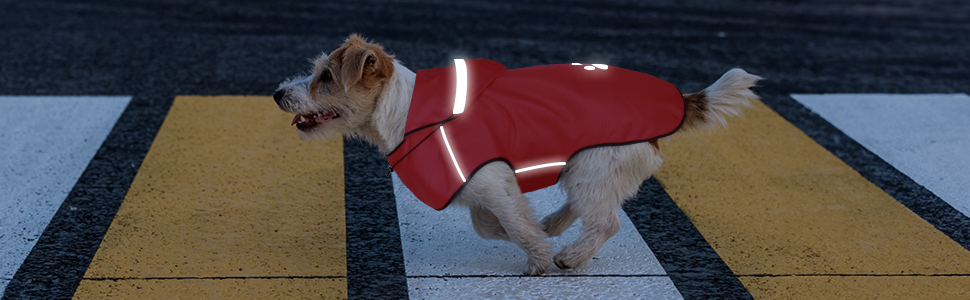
(726, 97)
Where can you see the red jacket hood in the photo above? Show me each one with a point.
(434, 87)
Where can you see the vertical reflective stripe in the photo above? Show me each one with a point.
(452, 153)
(461, 87)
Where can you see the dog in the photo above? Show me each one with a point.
(361, 91)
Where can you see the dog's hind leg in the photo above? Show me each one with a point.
(597, 182)
(557, 222)
(486, 224)
(495, 189)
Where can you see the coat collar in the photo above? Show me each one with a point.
(436, 93)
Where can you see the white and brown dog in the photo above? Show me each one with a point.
(360, 91)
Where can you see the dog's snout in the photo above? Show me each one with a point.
(279, 96)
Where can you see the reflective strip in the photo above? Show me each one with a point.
(593, 66)
(447, 145)
(461, 87)
(540, 166)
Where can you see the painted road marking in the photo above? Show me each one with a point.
(927, 137)
(227, 196)
(542, 288)
(862, 287)
(250, 288)
(782, 211)
(45, 144)
(444, 257)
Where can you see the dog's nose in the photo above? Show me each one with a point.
(279, 96)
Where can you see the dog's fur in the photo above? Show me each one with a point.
(368, 92)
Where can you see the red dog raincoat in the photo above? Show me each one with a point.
(534, 119)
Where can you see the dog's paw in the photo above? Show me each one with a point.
(565, 261)
(535, 269)
(562, 265)
(540, 259)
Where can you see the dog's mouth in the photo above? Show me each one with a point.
(309, 121)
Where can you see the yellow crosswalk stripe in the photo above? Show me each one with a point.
(277, 288)
(859, 287)
(228, 200)
(772, 202)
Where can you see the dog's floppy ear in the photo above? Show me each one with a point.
(355, 61)
(364, 61)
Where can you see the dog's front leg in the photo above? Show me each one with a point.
(486, 224)
(495, 189)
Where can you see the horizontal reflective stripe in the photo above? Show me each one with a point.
(540, 166)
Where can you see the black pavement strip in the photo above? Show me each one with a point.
(375, 258)
(54, 267)
(694, 267)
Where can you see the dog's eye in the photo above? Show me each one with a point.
(325, 76)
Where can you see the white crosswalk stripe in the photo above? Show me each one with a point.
(444, 258)
(45, 144)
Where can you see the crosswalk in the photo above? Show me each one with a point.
(229, 203)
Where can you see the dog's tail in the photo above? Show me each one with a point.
(726, 97)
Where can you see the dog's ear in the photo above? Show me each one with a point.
(364, 61)
(356, 59)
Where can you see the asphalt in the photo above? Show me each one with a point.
(156, 50)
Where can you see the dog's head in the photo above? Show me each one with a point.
(340, 95)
